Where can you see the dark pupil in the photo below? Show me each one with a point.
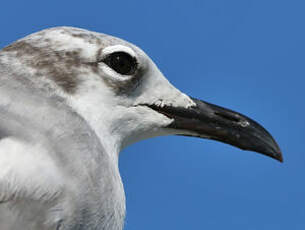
(122, 63)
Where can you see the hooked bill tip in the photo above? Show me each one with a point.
(279, 156)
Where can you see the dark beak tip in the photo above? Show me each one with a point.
(280, 157)
(277, 155)
(272, 150)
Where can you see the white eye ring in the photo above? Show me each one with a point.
(118, 48)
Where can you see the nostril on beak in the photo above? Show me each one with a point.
(228, 116)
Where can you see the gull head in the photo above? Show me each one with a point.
(119, 91)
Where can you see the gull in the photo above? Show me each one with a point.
(70, 101)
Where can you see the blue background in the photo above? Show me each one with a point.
(247, 55)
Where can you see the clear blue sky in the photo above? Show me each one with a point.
(247, 55)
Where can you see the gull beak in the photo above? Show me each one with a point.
(210, 121)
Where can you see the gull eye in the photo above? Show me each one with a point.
(121, 62)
